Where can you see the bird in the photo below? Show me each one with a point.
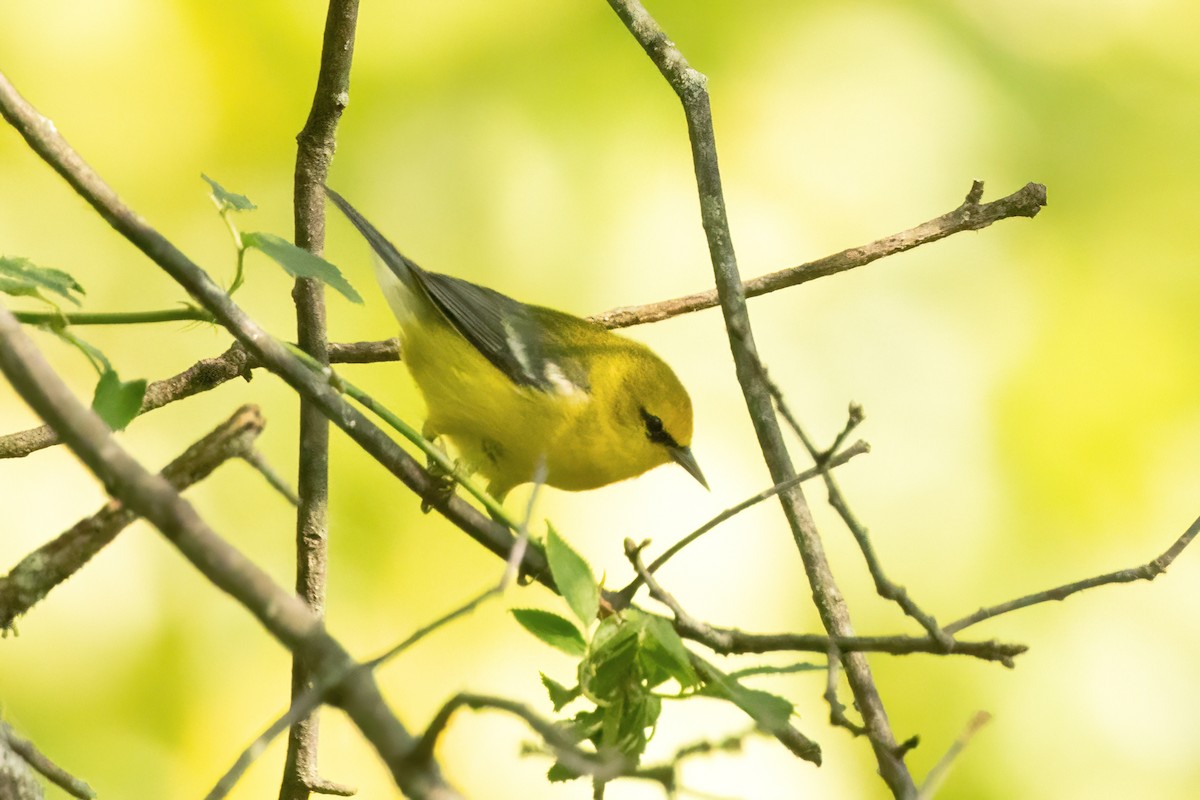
(519, 389)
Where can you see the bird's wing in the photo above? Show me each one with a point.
(511, 335)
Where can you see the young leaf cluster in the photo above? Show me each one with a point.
(628, 662)
(116, 401)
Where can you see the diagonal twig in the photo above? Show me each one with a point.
(1146, 572)
(13, 741)
(937, 775)
(318, 691)
(788, 735)
(886, 588)
(971, 215)
(622, 598)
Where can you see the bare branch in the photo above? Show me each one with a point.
(314, 154)
(970, 216)
(256, 459)
(283, 614)
(690, 86)
(52, 563)
(885, 587)
(14, 742)
(621, 599)
(206, 374)
(728, 641)
(1146, 572)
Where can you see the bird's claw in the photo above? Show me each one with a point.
(443, 488)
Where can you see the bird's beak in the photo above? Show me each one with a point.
(684, 458)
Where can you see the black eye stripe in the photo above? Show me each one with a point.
(655, 431)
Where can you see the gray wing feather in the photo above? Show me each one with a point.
(502, 329)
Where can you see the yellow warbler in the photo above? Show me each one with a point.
(510, 384)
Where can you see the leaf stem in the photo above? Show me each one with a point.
(184, 314)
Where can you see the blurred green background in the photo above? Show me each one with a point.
(1031, 390)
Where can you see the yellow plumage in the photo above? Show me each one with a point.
(509, 384)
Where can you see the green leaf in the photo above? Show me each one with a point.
(770, 711)
(664, 649)
(610, 668)
(299, 263)
(20, 277)
(559, 694)
(573, 577)
(560, 774)
(118, 402)
(227, 199)
(552, 629)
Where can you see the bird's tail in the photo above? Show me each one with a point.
(399, 278)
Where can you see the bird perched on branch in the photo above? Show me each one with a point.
(510, 384)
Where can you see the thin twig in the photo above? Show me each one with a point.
(1146, 572)
(323, 688)
(602, 766)
(837, 709)
(937, 775)
(690, 86)
(42, 763)
(883, 586)
(788, 735)
(52, 563)
(970, 216)
(318, 692)
(731, 641)
(283, 614)
(277, 482)
(202, 376)
(626, 594)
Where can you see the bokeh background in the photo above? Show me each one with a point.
(1031, 390)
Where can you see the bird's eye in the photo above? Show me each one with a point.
(654, 429)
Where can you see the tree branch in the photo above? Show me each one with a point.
(729, 641)
(206, 374)
(601, 766)
(52, 563)
(1146, 572)
(314, 154)
(283, 614)
(970, 216)
(690, 86)
(11, 741)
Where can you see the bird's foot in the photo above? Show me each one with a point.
(444, 484)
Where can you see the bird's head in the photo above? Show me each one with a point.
(653, 412)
